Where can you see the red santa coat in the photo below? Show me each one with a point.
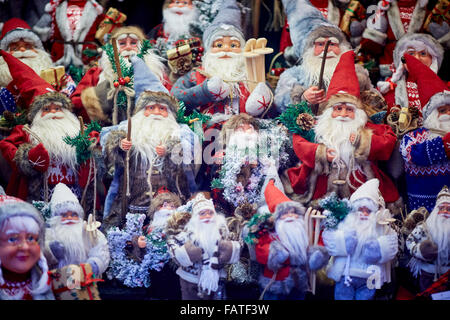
(376, 141)
(18, 183)
(262, 249)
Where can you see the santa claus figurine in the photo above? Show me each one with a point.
(285, 252)
(38, 155)
(400, 90)
(177, 15)
(428, 243)
(426, 150)
(362, 245)
(23, 267)
(68, 239)
(156, 149)
(202, 250)
(92, 98)
(346, 145)
(219, 88)
(163, 205)
(18, 39)
(70, 26)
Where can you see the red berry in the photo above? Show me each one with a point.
(127, 79)
(200, 49)
(122, 81)
(116, 84)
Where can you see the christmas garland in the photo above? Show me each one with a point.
(82, 142)
(208, 10)
(130, 272)
(127, 69)
(259, 225)
(191, 119)
(335, 210)
(299, 119)
(44, 209)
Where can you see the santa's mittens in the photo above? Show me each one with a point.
(225, 251)
(95, 269)
(39, 158)
(428, 250)
(357, 28)
(318, 257)
(277, 255)
(446, 141)
(371, 252)
(438, 30)
(350, 241)
(57, 249)
(219, 89)
(259, 100)
(195, 253)
(377, 22)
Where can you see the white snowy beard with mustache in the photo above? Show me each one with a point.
(71, 237)
(160, 218)
(335, 134)
(37, 61)
(176, 25)
(229, 69)
(53, 131)
(293, 236)
(206, 234)
(312, 64)
(439, 228)
(433, 121)
(149, 132)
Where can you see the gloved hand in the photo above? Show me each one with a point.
(371, 252)
(437, 30)
(259, 100)
(194, 252)
(350, 242)
(277, 256)
(318, 257)
(57, 249)
(225, 251)
(39, 158)
(218, 88)
(377, 22)
(357, 28)
(428, 250)
(95, 269)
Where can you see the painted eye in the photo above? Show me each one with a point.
(32, 239)
(13, 239)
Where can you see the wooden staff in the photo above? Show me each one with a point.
(387, 223)
(315, 107)
(254, 52)
(317, 216)
(249, 62)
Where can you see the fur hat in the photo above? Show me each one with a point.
(278, 202)
(433, 92)
(234, 122)
(64, 200)
(35, 91)
(15, 29)
(129, 30)
(369, 190)
(200, 203)
(149, 88)
(163, 196)
(306, 24)
(443, 196)
(226, 23)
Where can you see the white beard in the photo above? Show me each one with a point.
(152, 60)
(335, 134)
(160, 218)
(293, 236)
(53, 131)
(231, 69)
(37, 61)
(71, 237)
(149, 132)
(439, 228)
(435, 122)
(175, 26)
(206, 235)
(311, 65)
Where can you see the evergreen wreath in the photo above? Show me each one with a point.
(127, 70)
(190, 120)
(125, 269)
(82, 142)
(259, 225)
(299, 119)
(335, 210)
(208, 10)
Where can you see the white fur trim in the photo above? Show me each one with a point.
(334, 242)
(445, 40)
(181, 255)
(334, 16)
(63, 207)
(385, 70)
(396, 24)
(375, 36)
(437, 100)
(17, 34)
(388, 247)
(401, 93)
(236, 253)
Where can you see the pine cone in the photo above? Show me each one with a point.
(305, 121)
(414, 111)
(246, 210)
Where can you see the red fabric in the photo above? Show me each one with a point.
(403, 294)
(413, 96)
(39, 154)
(274, 196)
(344, 78)
(13, 24)
(285, 40)
(428, 82)
(262, 255)
(90, 79)
(446, 140)
(28, 82)
(322, 6)
(382, 145)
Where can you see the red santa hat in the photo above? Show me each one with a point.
(433, 92)
(34, 91)
(15, 29)
(278, 202)
(344, 85)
